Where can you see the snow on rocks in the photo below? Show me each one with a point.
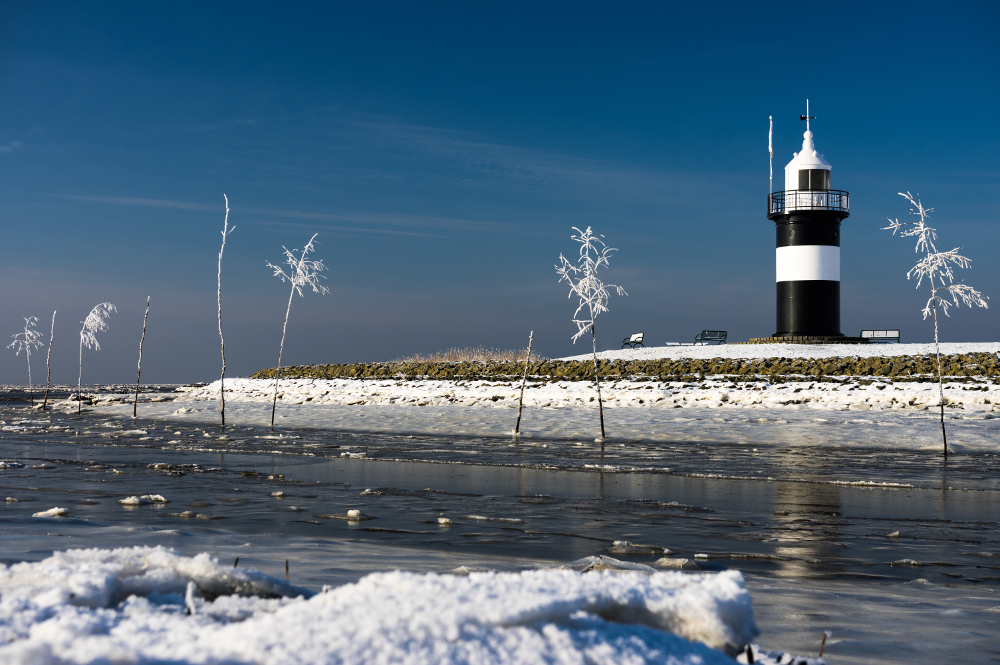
(10, 465)
(675, 352)
(150, 604)
(844, 393)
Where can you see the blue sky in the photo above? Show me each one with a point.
(442, 151)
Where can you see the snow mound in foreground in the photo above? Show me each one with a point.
(129, 606)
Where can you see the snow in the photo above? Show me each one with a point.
(756, 392)
(134, 605)
(788, 351)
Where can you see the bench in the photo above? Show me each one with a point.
(711, 336)
(881, 336)
(633, 341)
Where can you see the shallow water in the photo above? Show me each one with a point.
(815, 548)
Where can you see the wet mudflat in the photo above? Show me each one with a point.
(776, 529)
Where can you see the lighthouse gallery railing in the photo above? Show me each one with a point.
(807, 199)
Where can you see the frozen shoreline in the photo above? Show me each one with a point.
(751, 410)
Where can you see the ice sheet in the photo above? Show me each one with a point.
(791, 425)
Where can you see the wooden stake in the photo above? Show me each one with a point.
(524, 379)
(138, 372)
(222, 340)
(597, 376)
(286, 571)
(48, 368)
(237, 562)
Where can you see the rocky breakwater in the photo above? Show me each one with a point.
(957, 367)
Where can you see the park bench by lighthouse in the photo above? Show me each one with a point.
(711, 337)
(633, 341)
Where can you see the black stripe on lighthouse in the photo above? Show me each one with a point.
(807, 273)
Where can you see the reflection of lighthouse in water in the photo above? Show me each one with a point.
(807, 216)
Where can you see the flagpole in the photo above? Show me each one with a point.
(770, 152)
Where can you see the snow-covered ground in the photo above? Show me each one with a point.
(788, 351)
(883, 394)
(147, 604)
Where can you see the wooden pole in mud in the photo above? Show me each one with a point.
(937, 347)
(524, 379)
(138, 372)
(597, 377)
(48, 366)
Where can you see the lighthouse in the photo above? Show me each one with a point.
(807, 216)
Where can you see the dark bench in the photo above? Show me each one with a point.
(633, 341)
(881, 336)
(711, 337)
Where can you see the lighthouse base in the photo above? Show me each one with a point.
(808, 308)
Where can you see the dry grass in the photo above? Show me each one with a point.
(476, 354)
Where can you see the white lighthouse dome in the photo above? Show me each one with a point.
(799, 173)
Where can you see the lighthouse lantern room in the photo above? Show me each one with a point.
(807, 216)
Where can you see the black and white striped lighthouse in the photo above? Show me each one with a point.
(807, 217)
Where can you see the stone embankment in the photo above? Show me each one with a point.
(916, 369)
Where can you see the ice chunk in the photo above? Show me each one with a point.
(675, 564)
(595, 563)
(625, 547)
(52, 512)
(142, 500)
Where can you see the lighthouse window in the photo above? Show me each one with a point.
(814, 179)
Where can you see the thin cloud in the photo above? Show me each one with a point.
(373, 222)
(147, 203)
(350, 229)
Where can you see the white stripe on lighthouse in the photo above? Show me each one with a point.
(800, 263)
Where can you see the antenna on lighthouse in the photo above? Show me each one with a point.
(807, 117)
(770, 152)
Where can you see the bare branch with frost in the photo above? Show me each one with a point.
(938, 268)
(25, 341)
(303, 272)
(593, 294)
(96, 321)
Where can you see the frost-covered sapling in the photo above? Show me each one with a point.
(937, 267)
(222, 340)
(302, 272)
(25, 341)
(48, 366)
(96, 321)
(590, 290)
(138, 371)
